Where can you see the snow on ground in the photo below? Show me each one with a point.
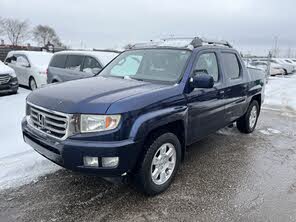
(280, 93)
(19, 163)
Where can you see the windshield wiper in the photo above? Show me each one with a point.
(136, 79)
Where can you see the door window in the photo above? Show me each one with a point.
(90, 64)
(74, 62)
(231, 65)
(22, 61)
(207, 62)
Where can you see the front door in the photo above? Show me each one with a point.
(206, 106)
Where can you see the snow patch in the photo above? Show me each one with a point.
(19, 163)
(280, 93)
(270, 131)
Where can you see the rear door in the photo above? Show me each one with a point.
(236, 80)
(56, 68)
(206, 106)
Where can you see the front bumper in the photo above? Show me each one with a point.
(10, 87)
(69, 153)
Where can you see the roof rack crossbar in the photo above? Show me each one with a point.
(188, 41)
(197, 41)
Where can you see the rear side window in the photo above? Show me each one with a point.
(231, 65)
(58, 61)
(74, 62)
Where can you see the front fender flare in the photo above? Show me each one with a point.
(150, 121)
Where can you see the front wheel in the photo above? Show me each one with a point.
(247, 123)
(32, 84)
(159, 165)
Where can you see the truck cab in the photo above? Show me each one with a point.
(137, 116)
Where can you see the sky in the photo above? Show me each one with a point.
(250, 25)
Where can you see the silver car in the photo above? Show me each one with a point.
(71, 65)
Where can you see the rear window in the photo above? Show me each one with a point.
(231, 65)
(58, 61)
(74, 62)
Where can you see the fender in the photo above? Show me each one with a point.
(255, 88)
(152, 120)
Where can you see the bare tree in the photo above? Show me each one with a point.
(16, 30)
(44, 34)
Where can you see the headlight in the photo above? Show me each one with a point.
(98, 123)
(12, 74)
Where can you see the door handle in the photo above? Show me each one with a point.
(221, 92)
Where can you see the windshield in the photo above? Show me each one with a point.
(160, 65)
(41, 59)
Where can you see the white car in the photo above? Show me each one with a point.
(291, 61)
(275, 69)
(30, 67)
(8, 79)
(288, 68)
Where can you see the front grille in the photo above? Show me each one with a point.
(50, 122)
(4, 79)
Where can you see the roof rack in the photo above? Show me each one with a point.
(186, 42)
(197, 41)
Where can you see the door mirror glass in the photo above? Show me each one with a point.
(202, 80)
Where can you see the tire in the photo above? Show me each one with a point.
(247, 123)
(32, 84)
(154, 163)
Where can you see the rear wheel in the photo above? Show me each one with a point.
(247, 123)
(32, 84)
(160, 164)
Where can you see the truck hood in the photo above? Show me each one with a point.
(91, 95)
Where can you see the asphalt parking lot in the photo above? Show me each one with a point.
(225, 177)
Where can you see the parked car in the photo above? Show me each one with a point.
(289, 68)
(275, 69)
(136, 118)
(290, 61)
(30, 67)
(8, 79)
(70, 65)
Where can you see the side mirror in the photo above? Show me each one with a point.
(202, 80)
(96, 71)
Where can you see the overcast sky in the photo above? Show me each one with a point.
(248, 24)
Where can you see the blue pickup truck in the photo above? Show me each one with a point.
(136, 118)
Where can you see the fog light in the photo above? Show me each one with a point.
(91, 161)
(110, 161)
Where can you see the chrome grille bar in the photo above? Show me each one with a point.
(4, 79)
(50, 122)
